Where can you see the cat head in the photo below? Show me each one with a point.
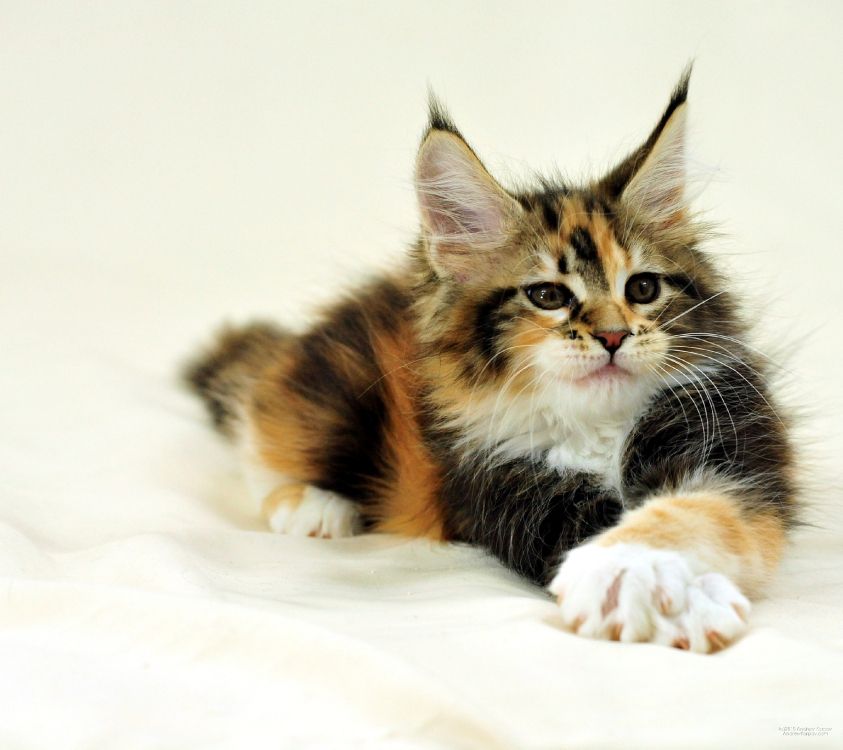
(580, 297)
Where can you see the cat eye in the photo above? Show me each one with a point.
(642, 288)
(550, 296)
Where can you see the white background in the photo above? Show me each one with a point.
(166, 166)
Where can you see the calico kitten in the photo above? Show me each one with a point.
(557, 375)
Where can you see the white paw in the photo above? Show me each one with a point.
(319, 513)
(631, 592)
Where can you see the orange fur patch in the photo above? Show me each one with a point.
(283, 423)
(288, 494)
(408, 498)
(615, 260)
(713, 528)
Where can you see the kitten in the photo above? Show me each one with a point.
(557, 375)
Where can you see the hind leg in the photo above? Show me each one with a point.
(262, 392)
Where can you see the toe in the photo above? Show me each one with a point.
(711, 624)
(672, 578)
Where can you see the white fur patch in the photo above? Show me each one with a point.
(573, 428)
(595, 449)
(632, 592)
(320, 513)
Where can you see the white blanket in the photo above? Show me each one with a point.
(168, 166)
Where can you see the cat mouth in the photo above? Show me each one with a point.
(610, 372)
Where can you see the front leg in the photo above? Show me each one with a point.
(525, 513)
(672, 572)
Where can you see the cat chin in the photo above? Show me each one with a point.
(607, 394)
(608, 375)
(600, 396)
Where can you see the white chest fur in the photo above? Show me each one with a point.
(561, 427)
(592, 445)
(597, 451)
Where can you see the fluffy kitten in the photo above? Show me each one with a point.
(557, 375)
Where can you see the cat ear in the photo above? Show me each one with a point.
(466, 215)
(652, 180)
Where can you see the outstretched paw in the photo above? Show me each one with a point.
(631, 592)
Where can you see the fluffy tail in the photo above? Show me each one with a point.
(223, 376)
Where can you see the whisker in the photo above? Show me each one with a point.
(735, 340)
(722, 399)
(749, 383)
(694, 307)
(710, 420)
(703, 422)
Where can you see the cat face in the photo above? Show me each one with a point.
(583, 300)
(590, 310)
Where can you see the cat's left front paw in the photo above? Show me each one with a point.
(632, 592)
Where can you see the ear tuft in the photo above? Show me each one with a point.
(438, 117)
(657, 189)
(652, 180)
(680, 92)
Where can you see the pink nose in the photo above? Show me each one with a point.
(611, 340)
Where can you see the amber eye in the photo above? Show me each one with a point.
(550, 296)
(642, 288)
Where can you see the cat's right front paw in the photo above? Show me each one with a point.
(632, 592)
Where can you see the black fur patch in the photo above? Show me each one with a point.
(563, 264)
(488, 320)
(350, 459)
(583, 245)
(524, 513)
(550, 213)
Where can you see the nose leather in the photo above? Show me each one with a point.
(611, 340)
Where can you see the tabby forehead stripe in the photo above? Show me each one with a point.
(583, 244)
(563, 264)
(551, 214)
